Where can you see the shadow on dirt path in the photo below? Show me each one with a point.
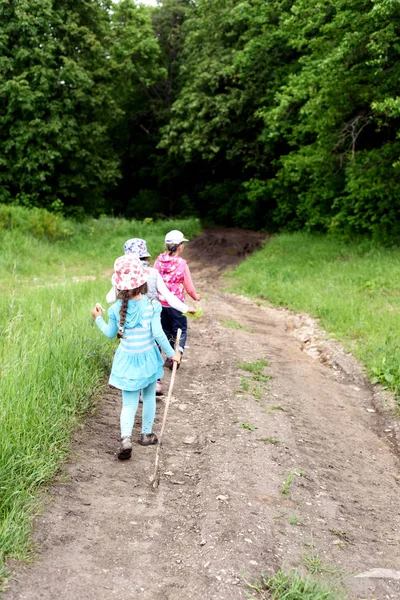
(285, 464)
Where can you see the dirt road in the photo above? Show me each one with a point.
(287, 464)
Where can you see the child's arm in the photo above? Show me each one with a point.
(169, 296)
(160, 336)
(188, 284)
(109, 329)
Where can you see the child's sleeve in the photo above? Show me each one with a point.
(111, 296)
(109, 329)
(158, 332)
(188, 283)
(169, 296)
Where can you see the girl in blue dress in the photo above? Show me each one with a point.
(137, 364)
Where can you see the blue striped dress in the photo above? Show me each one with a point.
(137, 362)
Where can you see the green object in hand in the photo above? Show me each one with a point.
(197, 314)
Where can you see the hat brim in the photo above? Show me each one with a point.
(175, 241)
(139, 254)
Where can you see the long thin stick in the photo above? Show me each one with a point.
(156, 476)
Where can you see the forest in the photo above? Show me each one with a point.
(276, 121)
(262, 114)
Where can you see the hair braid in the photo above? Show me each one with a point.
(122, 313)
(126, 295)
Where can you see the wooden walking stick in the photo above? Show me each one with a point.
(156, 476)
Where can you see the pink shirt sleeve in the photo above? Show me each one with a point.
(188, 283)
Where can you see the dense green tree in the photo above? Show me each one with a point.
(56, 102)
(294, 104)
(172, 177)
(231, 60)
(147, 44)
(136, 53)
(339, 116)
(70, 71)
(253, 113)
(151, 182)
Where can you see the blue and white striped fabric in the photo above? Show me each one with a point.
(139, 338)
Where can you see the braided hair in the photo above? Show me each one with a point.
(126, 295)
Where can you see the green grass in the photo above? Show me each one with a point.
(87, 251)
(270, 440)
(291, 586)
(231, 324)
(342, 535)
(253, 385)
(256, 367)
(244, 385)
(314, 564)
(248, 426)
(295, 520)
(53, 359)
(288, 483)
(353, 288)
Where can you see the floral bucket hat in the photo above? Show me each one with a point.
(136, 246)
(129, 273)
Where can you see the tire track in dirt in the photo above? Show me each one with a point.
(219, 511)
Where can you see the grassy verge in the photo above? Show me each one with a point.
(52, 358)
(353, 288)
(52, 362)
(60, 252)
(291, 586)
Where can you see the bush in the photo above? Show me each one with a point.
(37, 221)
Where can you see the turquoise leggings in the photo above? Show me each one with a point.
(130, 403)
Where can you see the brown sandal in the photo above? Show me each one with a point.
(148, 439)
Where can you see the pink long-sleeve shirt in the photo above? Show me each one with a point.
(176, 274)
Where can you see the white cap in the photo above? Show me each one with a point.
(175, 237)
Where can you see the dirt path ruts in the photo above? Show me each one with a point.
(219, 510)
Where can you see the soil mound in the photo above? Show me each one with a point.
(225, 247)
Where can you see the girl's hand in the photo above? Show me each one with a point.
(198, 297)
(177, 357)
(97, 311)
